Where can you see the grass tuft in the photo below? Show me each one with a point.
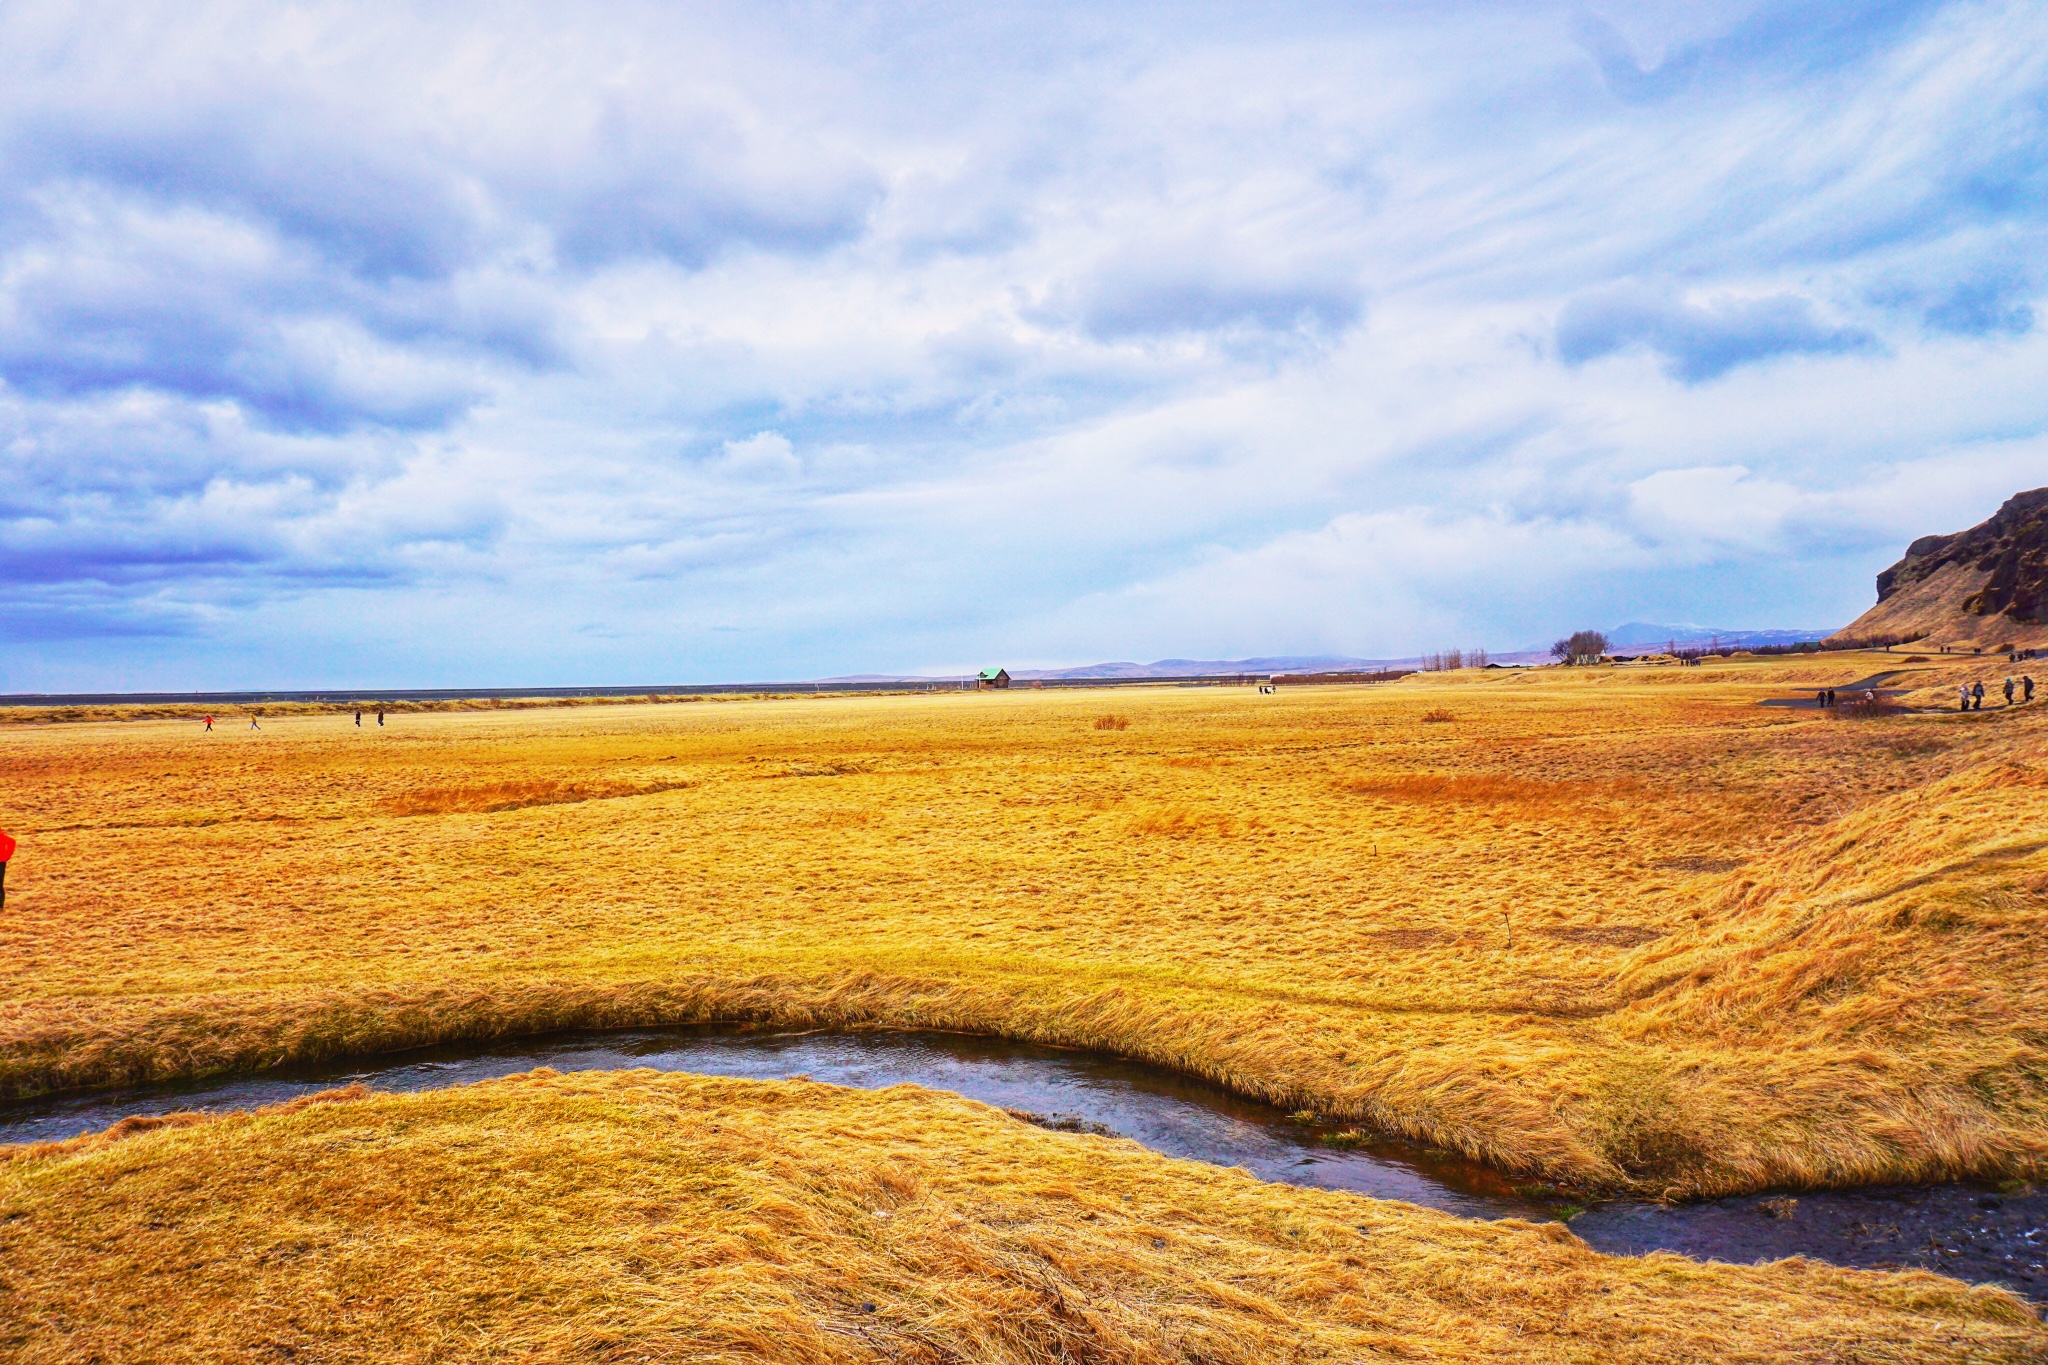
(640, 1216)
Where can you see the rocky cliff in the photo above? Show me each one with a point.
(1984, 587)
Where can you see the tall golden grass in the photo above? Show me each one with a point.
(1618, 927)
(632, 1216)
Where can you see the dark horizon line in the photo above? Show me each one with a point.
(819, 687)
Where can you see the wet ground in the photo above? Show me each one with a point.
(1974, 1234)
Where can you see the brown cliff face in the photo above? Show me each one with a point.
(1984, 587)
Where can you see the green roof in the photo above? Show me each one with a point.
(988, 674)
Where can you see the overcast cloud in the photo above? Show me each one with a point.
(473, 345)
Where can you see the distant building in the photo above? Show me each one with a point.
(993, 677)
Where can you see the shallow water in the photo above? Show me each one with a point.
(1961, 1230)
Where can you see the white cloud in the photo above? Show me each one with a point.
(764, 455)
(758, 347)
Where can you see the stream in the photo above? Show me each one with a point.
(1974, 1233)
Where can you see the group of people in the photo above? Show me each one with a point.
(1971, 698)
(254, 726)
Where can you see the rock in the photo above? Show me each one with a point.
(1987, 586)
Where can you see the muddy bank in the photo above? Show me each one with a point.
(1972, 1233)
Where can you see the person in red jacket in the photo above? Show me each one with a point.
(6, 852)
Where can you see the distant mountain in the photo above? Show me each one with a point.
(1643, 635)
(1638, 636)
(1184, 668)
(1168, 668)
(1984, 587)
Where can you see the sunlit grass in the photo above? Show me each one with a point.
(1612, 926)
(637, 1216)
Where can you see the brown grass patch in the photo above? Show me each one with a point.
(1867, 708)
(1112, 722)
(1183, 822)
(1487, 789)
(491, 797)
(1604, 935)
(1698, 864)
(1411, 938)
(1437, 716)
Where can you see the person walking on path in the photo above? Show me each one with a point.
(2008, 691)
(359, 720)
(253, 725)
(380, 717)
(1963, 695)
(209, 725)
(2027, 688)
(6, 852)
(1977, 696)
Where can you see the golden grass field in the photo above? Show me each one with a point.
(634, 1216)
(1616, 927)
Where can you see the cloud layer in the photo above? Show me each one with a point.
(471, 345)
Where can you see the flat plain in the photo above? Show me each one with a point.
(1613, 926)
(1617, 928)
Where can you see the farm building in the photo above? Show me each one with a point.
(993, 677)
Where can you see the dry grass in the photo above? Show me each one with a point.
(1112, 722)
(632, 1216)
(498, 796)
(1437, 715)
(1616, 926)
(186, 710)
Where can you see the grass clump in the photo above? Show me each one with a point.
(1112, 722)
(640, 1216)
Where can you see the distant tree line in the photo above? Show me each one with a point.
(1451, 660)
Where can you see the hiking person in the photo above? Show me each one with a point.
(209, 725)
(2008, 691)
(1977, 695)
(1820, 698)
(1831, 696)
(359, 720)
(253, 725)
(1963, 695)
(2027, 688)
(6, 852)
(380, 717)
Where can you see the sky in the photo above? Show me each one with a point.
(482, 345)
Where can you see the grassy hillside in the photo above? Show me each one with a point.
(1617, 926)
(641, 1217)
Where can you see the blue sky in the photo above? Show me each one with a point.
(528, 345)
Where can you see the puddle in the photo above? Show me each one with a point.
(1960, 1230)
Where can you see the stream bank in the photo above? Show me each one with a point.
(1973, 1233)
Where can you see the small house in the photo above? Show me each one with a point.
(993, 677)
